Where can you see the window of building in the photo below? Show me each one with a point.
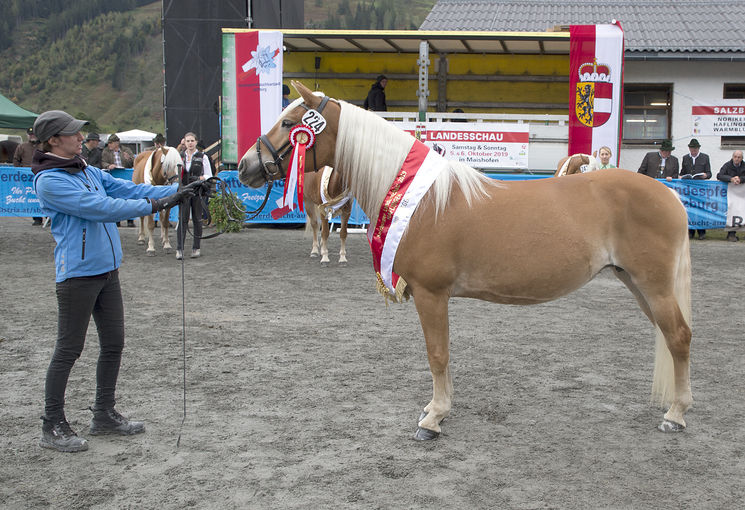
(733, 91)
(647, 113)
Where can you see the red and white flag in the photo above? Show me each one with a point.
(257, 87)
(595, 88)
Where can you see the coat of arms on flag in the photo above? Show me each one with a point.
(594, 96)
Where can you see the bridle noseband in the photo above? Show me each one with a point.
(278, 155)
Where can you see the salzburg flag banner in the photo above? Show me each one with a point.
(251, 88)
(595, 88)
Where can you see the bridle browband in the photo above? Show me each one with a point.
(279, 154)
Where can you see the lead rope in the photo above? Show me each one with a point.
(183, 346)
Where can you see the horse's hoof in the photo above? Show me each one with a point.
(342, 264)
(314, 255)
(151, 253)
(422, 416)
(425, 434)
(670, 426)
(324, 264)
(168, 250)
(141, 242)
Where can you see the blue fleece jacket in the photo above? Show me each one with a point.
(83, 208)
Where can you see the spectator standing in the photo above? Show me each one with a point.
(285, 96)
(695, 165)
(375, 99)
(83, 201)
(604, 155)
(733, 172)
(196, 167)
(91, 151)
(116, 156)
(661, 164)
(23, 156)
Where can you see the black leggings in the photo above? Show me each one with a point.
(195, 208)
(77, 300)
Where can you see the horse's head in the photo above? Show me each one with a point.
(576, 164)
(267, 160)
(170, 163)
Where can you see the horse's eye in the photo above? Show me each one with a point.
(286, 123)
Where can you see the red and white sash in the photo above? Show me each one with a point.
(418, 172)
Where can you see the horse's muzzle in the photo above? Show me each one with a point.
(250, 171)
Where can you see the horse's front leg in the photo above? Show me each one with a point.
(165, 223)
(433, 315)
(343, 236)
(149, 226)
(141, 233)
(324, 241)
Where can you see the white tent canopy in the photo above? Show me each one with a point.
(136, 139)
(136, 135)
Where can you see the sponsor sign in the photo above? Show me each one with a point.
(726, 118)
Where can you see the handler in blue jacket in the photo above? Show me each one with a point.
(83, 204)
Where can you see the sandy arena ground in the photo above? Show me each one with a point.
(303, 389)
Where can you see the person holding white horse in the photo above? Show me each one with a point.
(196, 168)
(83, 202)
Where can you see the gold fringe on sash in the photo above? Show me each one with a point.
(401, 291)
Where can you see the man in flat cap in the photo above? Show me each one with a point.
(83, 202)
(116, 156)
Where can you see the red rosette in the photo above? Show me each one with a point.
(296, 136)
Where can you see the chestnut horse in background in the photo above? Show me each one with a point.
(159, 167)
(325, 197)
(576, 164)
(462, 234)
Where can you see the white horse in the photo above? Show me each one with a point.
(158, 167)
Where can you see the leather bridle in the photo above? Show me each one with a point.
(280, 154)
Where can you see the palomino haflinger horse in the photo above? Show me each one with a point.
(158, 167)
(326, 197)
(576, 164)
(526, 242)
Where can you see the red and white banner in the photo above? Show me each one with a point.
(595, 88)
(252, 88)
(726, 118)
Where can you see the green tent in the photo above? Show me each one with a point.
(13, 116)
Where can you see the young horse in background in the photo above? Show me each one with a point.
(325, 198)
(516, 242)
(576, 164)
(158, 167)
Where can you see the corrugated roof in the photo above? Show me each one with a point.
(649, 25)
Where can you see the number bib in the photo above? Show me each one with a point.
(314, 120)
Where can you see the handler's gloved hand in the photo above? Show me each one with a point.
(173, 200)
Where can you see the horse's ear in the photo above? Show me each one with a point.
(304, 91)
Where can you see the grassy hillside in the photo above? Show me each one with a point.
(106, 70)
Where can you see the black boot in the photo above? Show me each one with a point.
(109, 421)
(57, 435)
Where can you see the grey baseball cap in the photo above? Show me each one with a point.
(56, 122)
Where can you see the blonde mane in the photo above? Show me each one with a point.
(370, 152)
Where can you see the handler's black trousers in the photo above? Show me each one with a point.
(193, 206)
(77, 300)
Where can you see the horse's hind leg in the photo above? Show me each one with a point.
(324, 241)
(345, 213)
(667, 304)
(433, 315)
(311, 224)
